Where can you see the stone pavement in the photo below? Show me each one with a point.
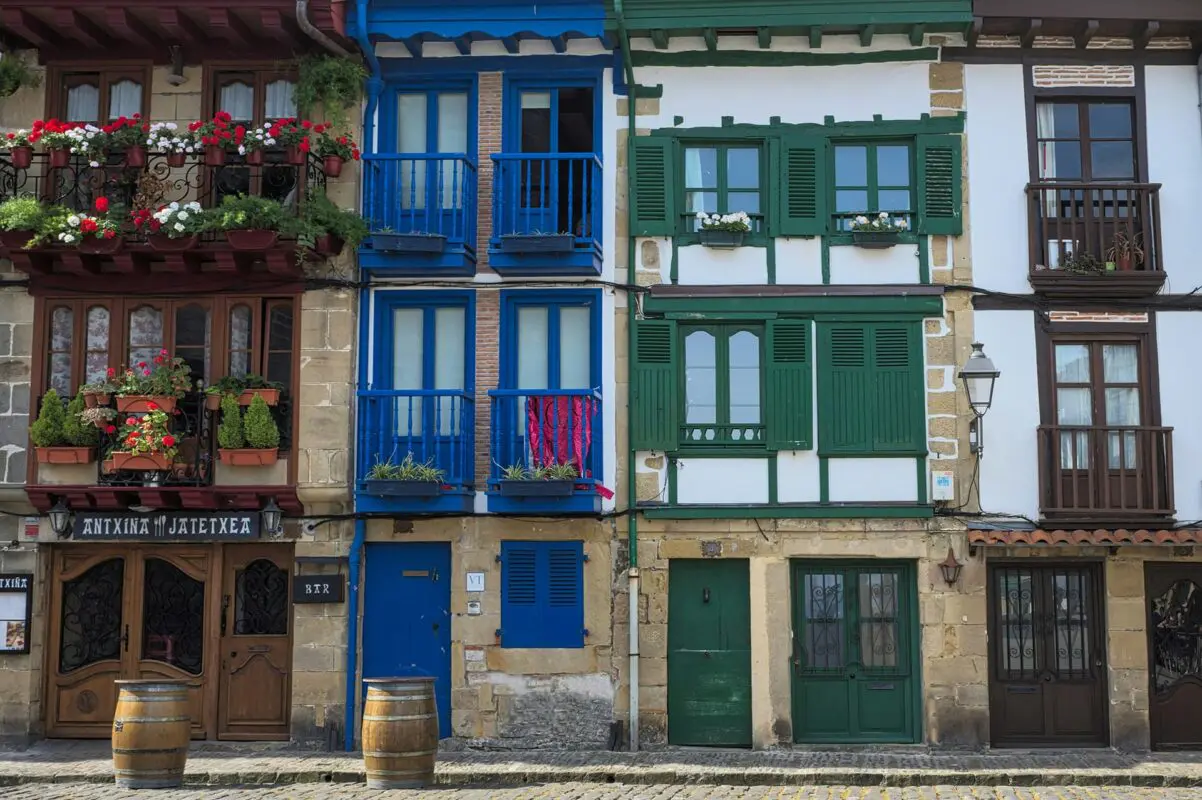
(213, 763)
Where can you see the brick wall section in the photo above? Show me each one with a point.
(1095, 316)
(1054, 75)
(488, 333)
(488, 122)
(1099, 43)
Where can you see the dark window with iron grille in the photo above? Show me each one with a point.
(253, 97)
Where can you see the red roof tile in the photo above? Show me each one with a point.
(1055, 538)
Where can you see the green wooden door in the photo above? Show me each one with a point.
(855, 668)
(709, 653)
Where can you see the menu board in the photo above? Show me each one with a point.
(15, 607)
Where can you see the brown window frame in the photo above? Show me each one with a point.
(220, 73)
(61, 75)
(1085, 138)
(1141, 334)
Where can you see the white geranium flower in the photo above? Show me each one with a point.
(884, 215)
(68, 238)
(173, 205)
(179, 227)
(193, 206)
(189, 149)
(183, 215)
(94, 164)
(901, 223)
(241, 149)
(73, 221)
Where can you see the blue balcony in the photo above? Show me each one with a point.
(547, 448)
(429, 427)
(422, 211)
(546, 214)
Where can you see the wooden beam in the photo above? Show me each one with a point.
(917, 33)
(1146, 33)
(272, 23)
(1034, 26)
(227, 27)
(866, 34)
(974, 31)
(560, 44)
(29, 27)
(178, 26)
(764, 35)
(815, 37)
(1087, 32)
(511, 44)
(464, 44)
(81, 29)
(130, 27)
(711, 39)
(660, 39)
(413, 45)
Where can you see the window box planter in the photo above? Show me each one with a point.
(722, 240)
(332, 166)
(214, 155)
(135, 157)
(386, 488)
(408, 242)
(15, 240)
(165, 244)
(294, 155)
(95, 399)
(21, 157)
(251, 241)
(138, 403)
(141, 462)
(66, 455)
(254, 158)
(538, 488)
(248, 457)
(538, 243)
(270, 396)
(875, 240)
(59, 157)
(100, 247)
(176, 160)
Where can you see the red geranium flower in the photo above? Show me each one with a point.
(110, 430)
(168, 441)
(131, 420)
(152, 406)
(141, 363)
(134, 434)
(102, 204)
(110, 233)
(111, 372)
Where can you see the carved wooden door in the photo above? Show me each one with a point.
(1174, 593)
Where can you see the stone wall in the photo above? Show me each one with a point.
(21, 675)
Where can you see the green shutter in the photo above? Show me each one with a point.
(897, 389)
(653, 386)
(653, 187)
(939, 185)
(788, 404)
(844, 396)
(803, 186)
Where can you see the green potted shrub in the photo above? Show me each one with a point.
(250, 223)
(325, 228)
(410, 478)
(54, 436)
(545, 480)
(252, 440)
(21, 219)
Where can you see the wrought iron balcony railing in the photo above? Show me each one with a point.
(423, 193)
(435, 427)
(548, 194)
(535, 429)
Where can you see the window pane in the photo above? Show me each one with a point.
(145, 334)
(452, 122)
(1060, 160)
(240, 321)
(1109, 121)
(701, 378)
(701, 168)
(575, 348)
(893, 165)
(238, 100)
(83, 103)
(702, 201)
(1057, 121)
(744, 201)
(536, 122)
(851, 165)
(1122, 406)
(823, 621)
(745, 378)
(279, 343)
(411, 111)
(893, 200)
(1115, 160)
(408, 346)
(280, 100)
(125, 99)
(743, 168)
(1074, 407)
(62, 332)
(97, 344)
(1120, 363)
(192, 332)
(1072, 363)
(532, 348)
(449, 349)
(851, 201)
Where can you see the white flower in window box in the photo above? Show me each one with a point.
(878, 231)
(723, 231)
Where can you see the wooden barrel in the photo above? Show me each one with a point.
(400, 732)
(151, 730)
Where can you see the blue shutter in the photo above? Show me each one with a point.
(542, 594)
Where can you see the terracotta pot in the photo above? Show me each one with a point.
(254, 157)
(165, 244)
(176, 160)
(66, 455)
(328, 245)
(94, 246)
(15, 240)
(332, 166)
(213, 402)
(294, 155)
(60, 157)
(248, 458)
(21, 157)
(214, 155)
(144, 462)
(135, 157)
(1124, 263)
(136, 403)
(270, 396)
(251, 241)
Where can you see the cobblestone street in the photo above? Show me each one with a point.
(591, 791)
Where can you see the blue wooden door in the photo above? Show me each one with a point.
(407, 617)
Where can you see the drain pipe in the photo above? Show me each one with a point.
(352, 635)
(632, 590)
(302, 19)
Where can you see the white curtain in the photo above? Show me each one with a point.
(575, 348)
(238, 100)
(449, 344)
(125, 99)
(408, 346)
(1120, 364)
(240, 317)
(411, 138)
(533, 370)
(1045, 128)
(1074, 405)
(83, 103)
(281, 100)
(452, 138)
(97, 359)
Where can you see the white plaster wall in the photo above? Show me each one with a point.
(1179, 393)
(1009, 470)
(860, 265)
(661, 474)
(866, 480)
(609, 177)
(697, 265)
(797, 477)
(529, 47)
(1174, 132)
(722, 480)
(997, 176)
(663, 252)
(798, 261)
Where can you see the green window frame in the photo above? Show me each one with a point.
(696, 182)
(729, 386)
(880, 184)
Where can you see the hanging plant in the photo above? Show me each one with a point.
(334, 82)
(16, 74)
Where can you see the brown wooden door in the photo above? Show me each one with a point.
(1174, 593)
(256, 643)
(1047, 681)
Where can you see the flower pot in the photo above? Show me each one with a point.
(538, 243)
(254, 157)
(538, 488)
(251, 241)
(66, 455)
(144, 462)
(21, 157)
(15, 240)
(135, 157)
(875, 240)
(332, 166)
(212, 402)
(1124, 263)
(138, 403)
(214, 155)
(94, 246)
(59, 157)
(162, 243)
(408, 242)
(328, 245)
(248, 457)
(383, 488)
(95, 399)
(270, 396)
(721, 240)
(294, 155)
(176, 160)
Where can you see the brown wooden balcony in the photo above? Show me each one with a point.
(1077, 233)
(1096, 475)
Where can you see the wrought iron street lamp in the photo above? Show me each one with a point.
(60, 517)
(271, 516)
(979, 375)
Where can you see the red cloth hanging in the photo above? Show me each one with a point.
(560, 430)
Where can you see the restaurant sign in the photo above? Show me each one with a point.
(166, 526)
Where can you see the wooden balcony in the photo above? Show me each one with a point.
(1076, 235)
(1097, 475)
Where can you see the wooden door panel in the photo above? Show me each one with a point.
(1174, 593)
(87, 699)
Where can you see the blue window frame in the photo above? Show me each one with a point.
(566, 324)
(542, 594)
